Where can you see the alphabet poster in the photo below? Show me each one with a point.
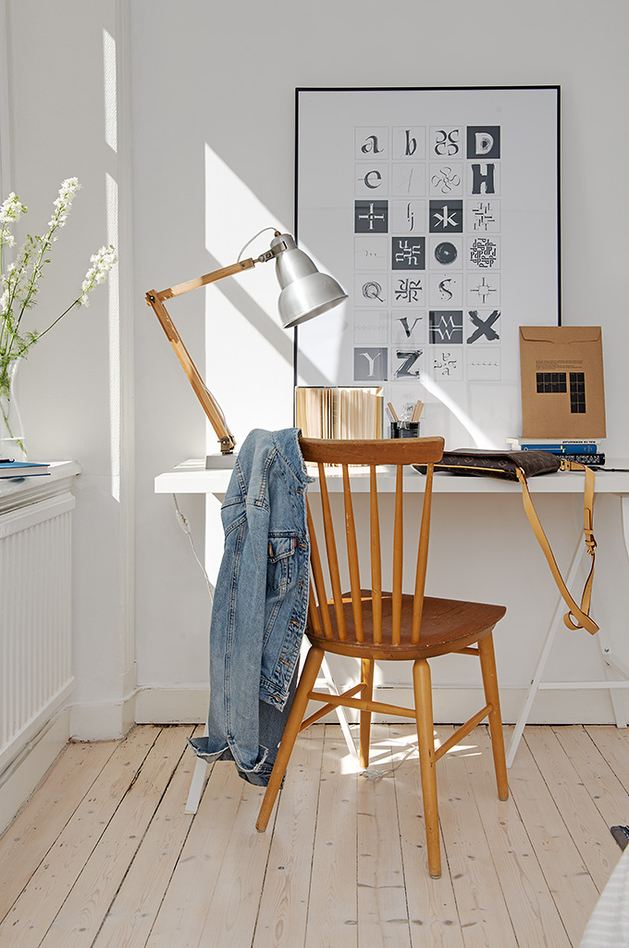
(437, 211)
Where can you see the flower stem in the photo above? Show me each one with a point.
(54, 323)
(5, 414)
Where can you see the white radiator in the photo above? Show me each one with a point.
(35, 615)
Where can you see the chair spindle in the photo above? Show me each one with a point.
(333, 562)
(422, 558)
(317, 573)
(376, 567)
(398, 557)
(352, 557)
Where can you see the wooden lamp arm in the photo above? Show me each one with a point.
(210, 406)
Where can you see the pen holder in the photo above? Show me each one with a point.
(405, 429)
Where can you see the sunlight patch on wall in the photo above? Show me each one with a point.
(478, 436)
(113, 319)
(110, 88)
(249, 356)
(233, 214)
(110, 91)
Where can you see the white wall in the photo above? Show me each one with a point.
(74, 388)
(213, 148)
(212, 143)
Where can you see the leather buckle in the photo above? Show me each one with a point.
(590, 541)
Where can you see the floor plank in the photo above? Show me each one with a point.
(182, 914)
(572, 887)
(382, 909)
(35, 909)
(533, 913)
(81, 915)
(332, 910)
(609, 796)
(233, 906)
(284, 902)
(130, 918)
(588, 829)
(432, 911)
(613, 744)
(35, 828)
(484, 916)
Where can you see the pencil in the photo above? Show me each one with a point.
(392, 412)
(417, 411)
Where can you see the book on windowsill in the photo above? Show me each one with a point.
(12, 470)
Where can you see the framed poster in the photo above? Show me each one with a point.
(438, 211)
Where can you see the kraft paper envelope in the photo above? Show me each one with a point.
(563, 394)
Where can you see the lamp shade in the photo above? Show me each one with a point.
(306, 292)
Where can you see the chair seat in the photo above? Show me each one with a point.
(447, 626)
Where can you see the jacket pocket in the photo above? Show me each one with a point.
(281, 564)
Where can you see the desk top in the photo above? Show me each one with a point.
(190, 477)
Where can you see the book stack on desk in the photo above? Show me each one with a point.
(339, 412)
(585, 451)
(14, 470)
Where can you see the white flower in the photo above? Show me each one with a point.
(10, 212)
(12, 209)
(63, 202)
(102, 261)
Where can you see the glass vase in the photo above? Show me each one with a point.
(12, 441)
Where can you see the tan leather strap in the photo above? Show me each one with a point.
(577, 617)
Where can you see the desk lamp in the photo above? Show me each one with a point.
(305, 293)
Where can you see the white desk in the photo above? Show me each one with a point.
(190, 477)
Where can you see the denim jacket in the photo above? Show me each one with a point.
(260, 604)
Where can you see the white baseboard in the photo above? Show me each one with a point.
(182, 704)
(27, 770)
(186, 704)
(102, 720)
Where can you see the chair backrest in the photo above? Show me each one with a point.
(331, 624)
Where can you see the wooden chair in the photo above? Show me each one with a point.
(372, 624)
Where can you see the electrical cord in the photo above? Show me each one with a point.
(184, 523)
(251, 240)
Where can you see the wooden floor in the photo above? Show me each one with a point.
(104, 855)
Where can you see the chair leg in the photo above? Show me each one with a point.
(366, 672)
(291, 730)
(492, 697)
(423, 713)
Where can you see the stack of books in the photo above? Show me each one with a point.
(323, 412)
(16, 470)
(586, 451)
